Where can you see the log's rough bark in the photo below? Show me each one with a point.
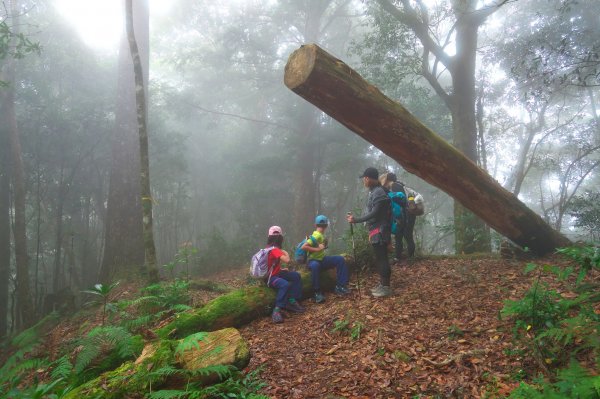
(342, 93)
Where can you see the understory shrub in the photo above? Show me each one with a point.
(557, 325)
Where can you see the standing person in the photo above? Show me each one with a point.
(415, 207)
(378, 219)
(287, 283)
(317, 261)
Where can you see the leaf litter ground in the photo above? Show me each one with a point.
(439, 335)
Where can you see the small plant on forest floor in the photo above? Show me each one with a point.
(156, 301)
(102, 294)
(455, 332)
(346, 326)
(185, 255)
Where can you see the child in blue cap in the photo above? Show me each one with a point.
(317, 261)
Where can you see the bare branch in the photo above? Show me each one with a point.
(408, 16)
(261, 121)
(431, 78)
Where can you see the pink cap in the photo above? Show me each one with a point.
(275, 231)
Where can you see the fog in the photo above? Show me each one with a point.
(233, 151)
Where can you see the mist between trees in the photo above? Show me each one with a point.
(232, 151)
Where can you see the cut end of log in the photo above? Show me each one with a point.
(300, 65)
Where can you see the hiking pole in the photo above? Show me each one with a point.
(354, 255)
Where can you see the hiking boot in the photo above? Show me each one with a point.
(319, 298)
(381, 291)
(376, 288)
(295, 307)
(276, 316)
(341, 290)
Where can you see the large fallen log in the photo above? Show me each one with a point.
(186, 360)
(235, 308)
(342, 93)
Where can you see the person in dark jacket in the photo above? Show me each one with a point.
(378, 220)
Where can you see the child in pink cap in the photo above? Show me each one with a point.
(287, 283)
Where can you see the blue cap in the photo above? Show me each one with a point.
(321, 219)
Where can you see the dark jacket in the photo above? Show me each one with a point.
(379, 211)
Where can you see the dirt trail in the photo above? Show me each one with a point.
(439, 336)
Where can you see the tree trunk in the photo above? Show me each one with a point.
(142, 110)
(342, 93)
(304, 184)
(57, 276)
(471, 233)
(4, 225)
(25, 310)
(123, 230)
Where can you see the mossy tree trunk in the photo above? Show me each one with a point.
(343, 94)
(235, 309)
(142, 111)
(135, 378)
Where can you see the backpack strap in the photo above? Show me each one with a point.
(269, 269)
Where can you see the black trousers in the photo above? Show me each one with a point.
(405, 231)
(383, 264)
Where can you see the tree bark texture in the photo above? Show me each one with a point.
(142, 110)
(123, 232)
(343, 94)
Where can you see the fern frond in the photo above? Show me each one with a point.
(143, 300)
(91, 349)
(168, 394)
(62, 368)
(140, 321)
(222, 371)
(165, 371)
(100, 338)
(191, 341)
(180, 308)
(20, 368)
(26, 339)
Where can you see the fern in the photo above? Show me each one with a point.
(141, 321)
(168, 394)
(181, 308)
(62, 368)
(190, 342)
(573, 382)
(103, 338)
(222, 371)
(11, 374)
(26, 339)
(165, 371)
